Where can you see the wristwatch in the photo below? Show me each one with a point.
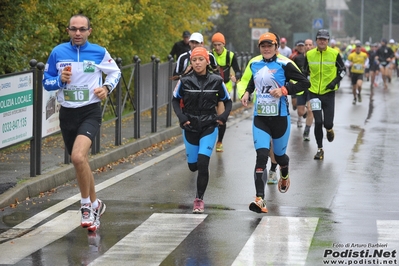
(109, 88)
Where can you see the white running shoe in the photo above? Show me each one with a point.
(97, 214)
(272, 178)
(87, 215)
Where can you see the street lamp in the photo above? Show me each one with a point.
(390, 19)
(361, 21)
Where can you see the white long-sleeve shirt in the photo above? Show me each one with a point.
(88, 63)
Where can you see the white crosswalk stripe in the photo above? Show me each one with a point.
(388, 233)
(278, 240)
(15, 250)
(152, 241)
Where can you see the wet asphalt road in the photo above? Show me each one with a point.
(342, 208)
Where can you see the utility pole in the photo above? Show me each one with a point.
(361, 21)
(390, 20)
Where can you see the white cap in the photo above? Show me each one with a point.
(196, 36)
(391, 41)
(333, 41)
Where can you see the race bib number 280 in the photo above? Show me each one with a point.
(267, 107)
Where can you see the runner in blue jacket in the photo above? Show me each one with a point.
(271, 77)
(75, 70)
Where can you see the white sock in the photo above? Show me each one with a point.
(85, 201)
(94, 205)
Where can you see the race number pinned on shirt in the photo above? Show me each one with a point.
(267, 106)
(315, 104)
(76, 94)
(358, 67)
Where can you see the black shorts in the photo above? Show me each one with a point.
(303, 98)
(84, 120)
(384, 64)
(355, 77)
(374, 67)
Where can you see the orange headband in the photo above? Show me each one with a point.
(200, 51)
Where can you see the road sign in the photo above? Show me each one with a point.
(317, 23)
(257, 32)
(259, 23)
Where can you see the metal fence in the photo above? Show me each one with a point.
(142, 88)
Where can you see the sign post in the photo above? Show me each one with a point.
(317, 24)
(258, 26)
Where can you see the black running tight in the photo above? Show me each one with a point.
(203, 175)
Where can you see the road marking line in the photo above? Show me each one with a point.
(29, 223)
(152, 241)
(15, 250)
(279, 240)
(388, 233)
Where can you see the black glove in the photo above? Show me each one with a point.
(182, 119)
(331, 85)
(220, 118)
(238, 75)
(187, 127)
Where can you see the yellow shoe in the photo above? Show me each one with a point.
(219, 147)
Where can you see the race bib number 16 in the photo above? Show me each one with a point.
(76, 95)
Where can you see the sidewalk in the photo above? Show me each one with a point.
(17, 185)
